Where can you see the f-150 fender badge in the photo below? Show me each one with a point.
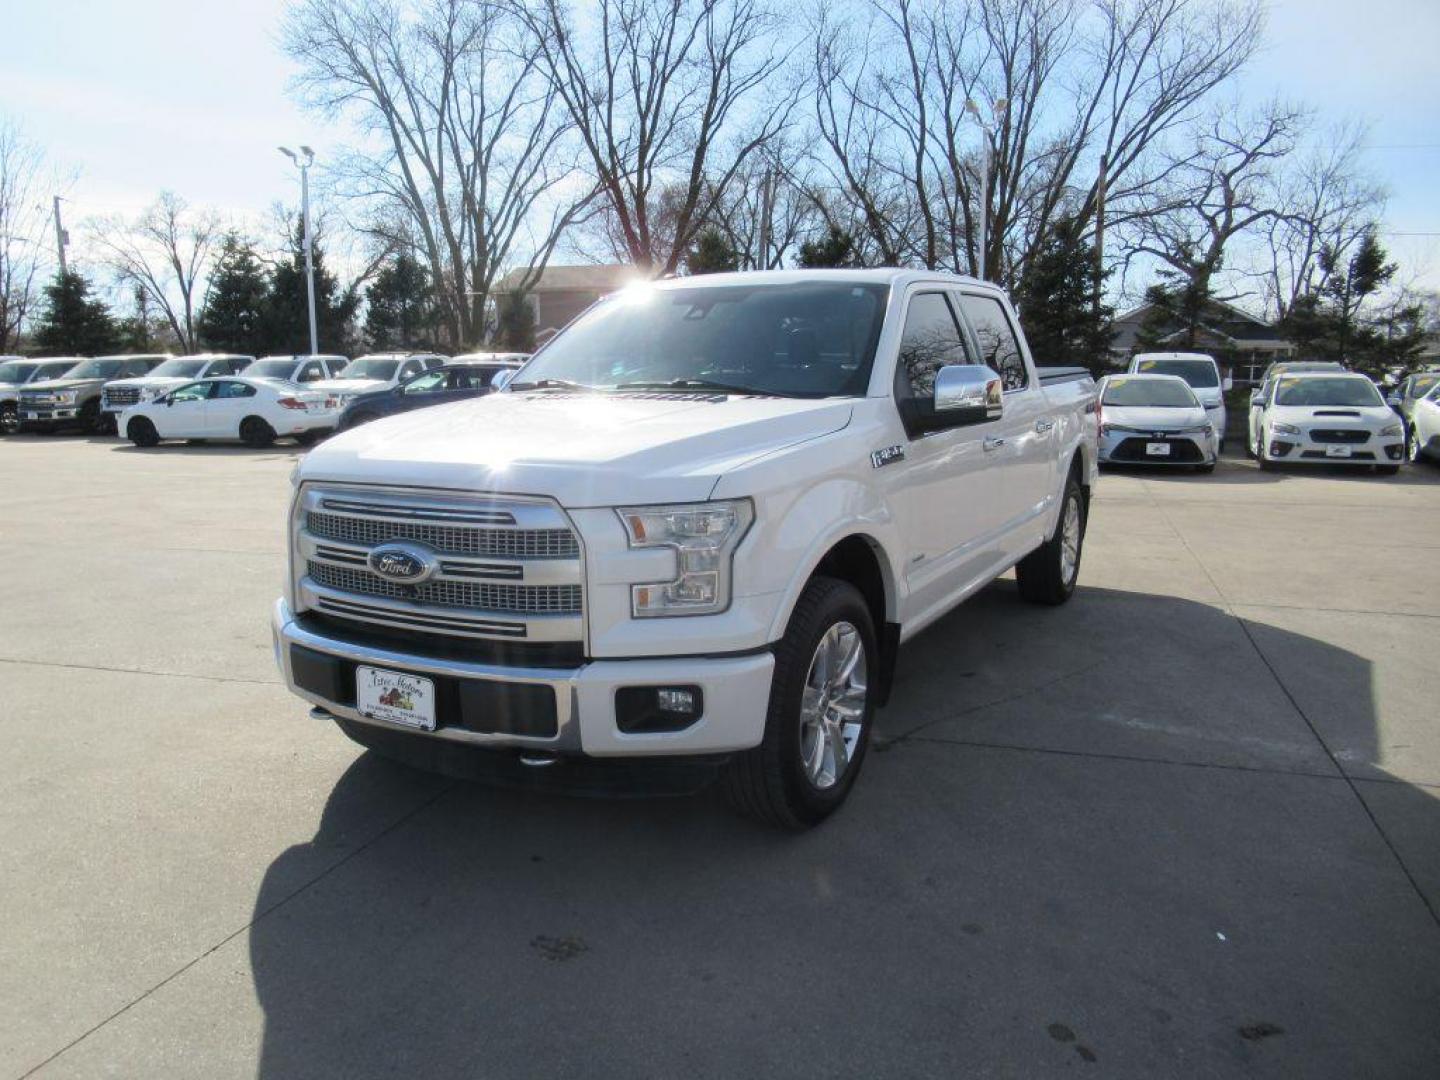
(891, 454)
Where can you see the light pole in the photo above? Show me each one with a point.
(303, 161)
(998, 110)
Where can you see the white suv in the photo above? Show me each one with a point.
(1197, 369)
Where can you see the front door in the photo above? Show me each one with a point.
(943, 489)
(185, 415)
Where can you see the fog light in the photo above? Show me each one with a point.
(646, 710)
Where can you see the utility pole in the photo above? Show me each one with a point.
(997, 110)
(303, 161)
(1100, 183)
(61, 237)
(767, 208)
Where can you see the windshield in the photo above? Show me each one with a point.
(271, 369)
(96, 369)
(1354, 391)
(1156, 393)
(370, 367)
(183, 369)
(1422, 385)
(1200, 374)
(15, 371)
(812, 339)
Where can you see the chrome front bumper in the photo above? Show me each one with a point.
(736, 693)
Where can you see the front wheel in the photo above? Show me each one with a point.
(9, 420)
(1048, 574)
(817, 728)
(307, 438)
(256, 433)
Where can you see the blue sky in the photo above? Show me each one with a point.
(155, 94)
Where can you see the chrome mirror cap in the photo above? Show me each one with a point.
(969, 387)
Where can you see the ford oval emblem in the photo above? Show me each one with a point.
(402, 563)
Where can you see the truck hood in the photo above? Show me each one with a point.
(146, 382)
(1153, 419)
(581, 449)
(47, 385)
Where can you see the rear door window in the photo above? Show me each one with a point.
(999, 348)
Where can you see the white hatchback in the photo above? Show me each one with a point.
(255, 411)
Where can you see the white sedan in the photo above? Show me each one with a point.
(1423, 437)
(1155, 420)
(1337, 418)
(255, 411)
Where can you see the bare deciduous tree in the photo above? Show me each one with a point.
(165, 251)
(1224, 182)
(466, 136)
(1080, 82)
(1329, 203)
(23, 225)
(668, 96)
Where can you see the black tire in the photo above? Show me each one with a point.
(91, 420)
(360, 418)
(141, 432)
(771, 783)
(308, 438)
(256, 433)
(1208, 467)
(9, 420)
(1042, 575)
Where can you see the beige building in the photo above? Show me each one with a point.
(563, 292)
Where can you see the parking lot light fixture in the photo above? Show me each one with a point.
(303, 160)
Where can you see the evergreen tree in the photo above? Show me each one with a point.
(515, 331)
(73, 323)
(1332, 323)
(1178, 302)
(1056, 299)
(286, 326)
(140, 332)
(401, 310)
(235, 304)
(712, 253)
(837, 248)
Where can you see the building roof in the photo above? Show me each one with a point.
(570, 279)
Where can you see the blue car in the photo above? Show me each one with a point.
(463, 377)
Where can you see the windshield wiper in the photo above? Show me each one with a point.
(697, 384)
(549, 384)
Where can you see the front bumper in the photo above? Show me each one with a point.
(1303, 450)
(735, 689)
(1133, 448)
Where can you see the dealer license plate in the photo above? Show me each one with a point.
(1157, 449)
(32, 416)
(395, 697)
(1337, 451)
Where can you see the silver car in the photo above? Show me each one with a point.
(1155, 420)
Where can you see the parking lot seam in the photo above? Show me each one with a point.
(1137, 758)
(425, 805)
(142, 671)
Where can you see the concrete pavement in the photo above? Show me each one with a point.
(1186, 825)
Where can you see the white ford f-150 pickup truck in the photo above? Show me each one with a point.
(690, 534)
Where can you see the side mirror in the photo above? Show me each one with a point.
(501, 379)
(967, 394)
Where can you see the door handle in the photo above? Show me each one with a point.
(992, 442)
(1043, 425)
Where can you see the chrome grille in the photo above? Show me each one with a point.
(513, 599)
(122, 395)
(446, 539)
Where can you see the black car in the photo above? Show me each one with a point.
(460, 378)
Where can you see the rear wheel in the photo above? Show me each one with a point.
(1048, 574)
(817, 728)
(307, 438)
(142, 432)
(256, 433)
(92, 421)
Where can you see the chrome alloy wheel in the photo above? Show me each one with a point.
(1070, 541)
(832, 705)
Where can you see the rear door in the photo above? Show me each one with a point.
(230, 402)
(1021, 448)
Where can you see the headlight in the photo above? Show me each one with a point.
(704, 536)
(1278, 428)
(1394, 431)
(67, 397)
(1106, 429)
